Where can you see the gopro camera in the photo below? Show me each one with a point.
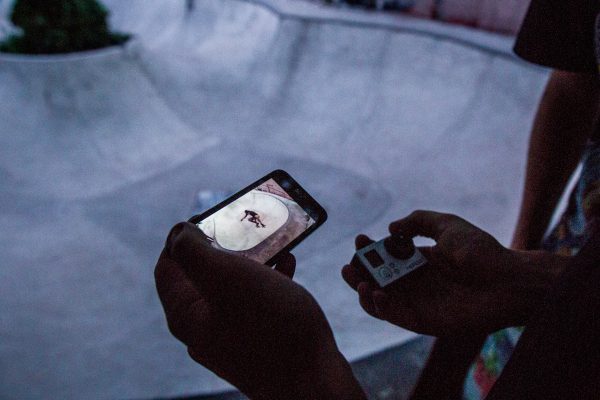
(390, 259)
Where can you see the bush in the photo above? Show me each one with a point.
(60, 26)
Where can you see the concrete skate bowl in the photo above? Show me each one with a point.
(238, 234)
(80, 125)
(100, 153)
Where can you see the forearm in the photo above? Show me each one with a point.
(535, 273)
(562, 125)
(330, 378)
(446, 368)
(336, 381)
(527, 279)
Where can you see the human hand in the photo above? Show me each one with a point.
(251, 325)
(470, 285)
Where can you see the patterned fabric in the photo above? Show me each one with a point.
(566, 238)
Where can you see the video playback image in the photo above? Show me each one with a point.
(258, 224)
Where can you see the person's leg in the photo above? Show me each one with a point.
(253, 219)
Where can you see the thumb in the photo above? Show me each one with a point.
(216, 274)
(435, 257)
(205, 267)
(286, 265)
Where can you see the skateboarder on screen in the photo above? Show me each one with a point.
(254, 217)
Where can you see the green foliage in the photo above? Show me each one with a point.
(60, 26)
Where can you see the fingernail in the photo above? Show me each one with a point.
(175, 231)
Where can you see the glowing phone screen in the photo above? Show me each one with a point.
(258, 224)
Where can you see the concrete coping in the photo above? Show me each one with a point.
(489, 42)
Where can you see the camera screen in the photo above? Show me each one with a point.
(374, 258)
(258, 224)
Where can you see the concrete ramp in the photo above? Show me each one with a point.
(102, 152)
(82, 125)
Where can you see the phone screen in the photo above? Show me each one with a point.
(261, 222)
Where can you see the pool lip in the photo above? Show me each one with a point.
(496, 43)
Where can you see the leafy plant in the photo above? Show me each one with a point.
(60, 26)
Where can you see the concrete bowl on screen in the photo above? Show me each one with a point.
(233, 234)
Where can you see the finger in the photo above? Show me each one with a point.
(286, 265)
(365, 298)
(381, 301)
(184, 308)
(429, 224)
(188, 248)
(436, 261)
(174, 288)
(359, 270)
(214, 272)
(362, 241)
(351, 276)
(431, 254)
(398, 310)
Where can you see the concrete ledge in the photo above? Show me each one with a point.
(494, 43)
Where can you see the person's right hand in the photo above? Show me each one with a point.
(251, 325)
(470, 285)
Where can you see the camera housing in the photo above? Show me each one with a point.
(390, 259)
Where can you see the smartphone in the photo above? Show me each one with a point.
(264, 220)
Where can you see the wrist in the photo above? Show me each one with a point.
(333, 379)
(340, 382)
(330, 377)
(533, 274)
(525, 239)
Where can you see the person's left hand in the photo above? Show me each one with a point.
(470, 285)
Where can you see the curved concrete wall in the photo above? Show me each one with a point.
(93, 120)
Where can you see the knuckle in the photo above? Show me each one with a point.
(160, 281)
(447, 218)
(159, 271)
(447, 221)
(177, 327)
(174, 326)
(417, 214)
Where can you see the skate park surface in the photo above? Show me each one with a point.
(102, 152)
